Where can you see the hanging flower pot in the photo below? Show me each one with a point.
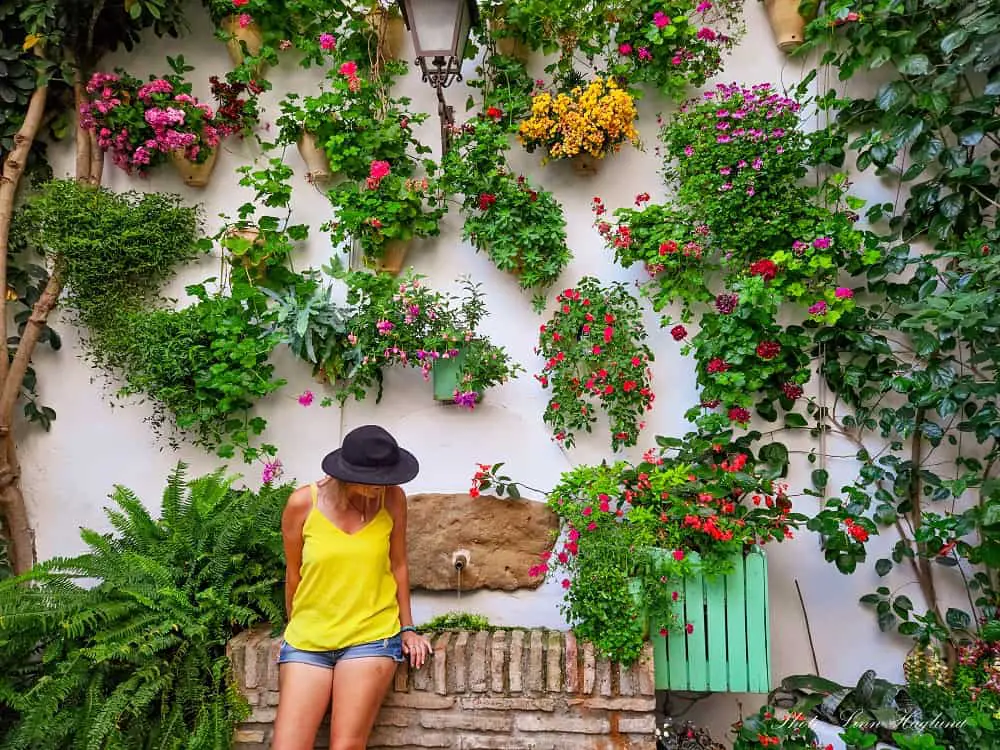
(390, 32)
(585, 164)
(508, 46)
(194, 174)
(250, 35)
(257, 267)
(393, 257)
(445, 375)
(315, 158)
(787, 25)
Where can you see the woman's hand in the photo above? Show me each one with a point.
(417, 647)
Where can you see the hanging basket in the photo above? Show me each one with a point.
(729, 647)
(445, 375)
(194, 175)
(392, 259)
(787, 25)
(585, 164)
(317, 164)
(250, 35)
(389, 31)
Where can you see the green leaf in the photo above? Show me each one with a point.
(820, 477)
(954, 40)
(883, 566)
(915, 65)
(957, 619)
(792, 419)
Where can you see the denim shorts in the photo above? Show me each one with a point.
(388, 647)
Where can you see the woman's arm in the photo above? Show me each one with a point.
(396, 505)
(292, 521)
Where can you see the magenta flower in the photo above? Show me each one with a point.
(703, 7)
(384, 326)
(465, 399)
(244, 20)
(822, 243)
(624, 49)
(327, 41)
(306, 398)
(688, 151)
(661, 19)
(349, 69)
(272, 471)
(843, 293)
(645, 54)
(818, 309)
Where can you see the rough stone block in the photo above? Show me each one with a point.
(645, 724)
(482, 721)
(498, 659)
(572, 664)
(604, 677)
(554, 662)
(410, 736)
(423, 701)
(504, 539)
(397, 717)
(647, 703)
(496, 703)
(439, 664)
(516, 661)
(535, 679)
(459, 675)
(589, 668)
(478, 663)
(263, 715)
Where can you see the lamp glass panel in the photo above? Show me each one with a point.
(433, 23)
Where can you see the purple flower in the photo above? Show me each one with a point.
(384, 326)
(799, 247)
(822, 243)
(272, 471)
(466, 399)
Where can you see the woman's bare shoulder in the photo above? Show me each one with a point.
(300, 500)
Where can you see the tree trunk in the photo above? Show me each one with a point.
(17, 527)
(88, 170)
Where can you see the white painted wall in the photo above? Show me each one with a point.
(69, 472)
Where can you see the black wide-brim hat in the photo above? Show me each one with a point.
(370, 455)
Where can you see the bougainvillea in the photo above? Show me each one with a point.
(595, 354)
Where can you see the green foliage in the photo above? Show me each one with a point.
(457, 621)
(124, 646)
(116, 250)
(780, 732)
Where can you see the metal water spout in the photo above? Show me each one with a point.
(460, 561)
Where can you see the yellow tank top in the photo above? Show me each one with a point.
(347, 595)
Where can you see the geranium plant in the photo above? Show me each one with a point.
(386, 206)
(405, 322)
(595, 355)
(596, 120)
(355, 122)
(142, 124)
(631, 531)
(675, 44)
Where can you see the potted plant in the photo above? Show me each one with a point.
(584, 124)
(595, 354)
(237, 23)
(383, 213)
(351, 123)
(405, 322)
(519, 225)
(675, 44)
(387, 25)
(144, 125)
(788, 19)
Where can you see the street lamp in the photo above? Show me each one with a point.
(440, 30)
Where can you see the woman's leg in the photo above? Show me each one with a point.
(359, 687)
(303, 699)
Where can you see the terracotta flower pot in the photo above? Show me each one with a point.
(585, 164)
(250, 35)
(393, 257)
(509, 46)
(787, 25)
(390, 31)
(315, 159)
(194, 175)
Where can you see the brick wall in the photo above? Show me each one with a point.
(508, 690)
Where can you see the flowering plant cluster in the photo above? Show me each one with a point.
(743, 356)
(404, 322)
(674, 44)
(768, 729)
(355, 122)
(594, 351)
(386, 206)
(690, 503)
(142, 124)
(595, 120)
(521, 226)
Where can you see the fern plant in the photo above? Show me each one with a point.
(125, 645)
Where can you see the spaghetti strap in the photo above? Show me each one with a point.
(314, 492)
(382, 500)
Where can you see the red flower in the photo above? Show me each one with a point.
(486, 200)
(494, 112)
(629, 385)
(609, 331)
(739, 414)
(766, 269)
(678, 554)
(717, 365)
(668, 247)
(791, 390)
(609, 318)
(641, 198)
(565, 583)
(675, 596)
(678, 332)
(768, 349)
(689, 628)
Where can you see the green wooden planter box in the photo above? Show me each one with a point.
(729, 649)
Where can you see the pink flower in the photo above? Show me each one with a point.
(661, 19)
(591, 526)
(645, 54)
(843, 293)
(565, 583)
(240, 3)
(706, 33)
(625, 49)
(379, 169)
(327, 42)
(678, 554)
(244, 20)
(349, 69)
(822, 243)
(703, 7)
(284, 44)
(272, 470)
(818, 309)
(588, 511)
(689, 628)
(306, 398)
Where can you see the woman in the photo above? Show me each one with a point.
(347, 593)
